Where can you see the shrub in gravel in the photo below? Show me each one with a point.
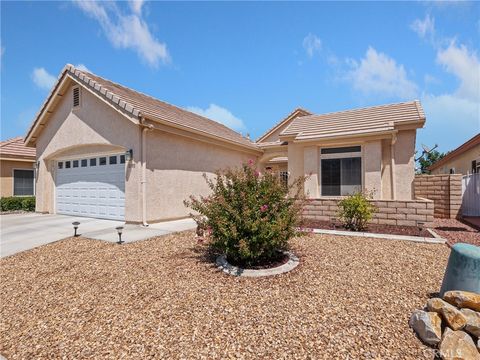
(15, 203)
(249, 217)
(356, 211)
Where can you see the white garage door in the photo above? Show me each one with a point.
(92, 187)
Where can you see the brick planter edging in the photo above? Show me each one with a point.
(390, 212)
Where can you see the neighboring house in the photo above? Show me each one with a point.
(463, 160)
(17, 173)
(107, 151)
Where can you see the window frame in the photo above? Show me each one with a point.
(13, 181)
(340, 155)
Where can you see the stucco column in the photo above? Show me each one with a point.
(372, 162)
(310, 167)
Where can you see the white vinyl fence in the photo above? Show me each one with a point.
(471, 195)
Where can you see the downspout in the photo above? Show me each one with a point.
(143, 181)
(392, 166)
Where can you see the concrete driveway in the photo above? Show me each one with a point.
(20, 232)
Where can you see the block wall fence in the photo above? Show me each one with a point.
(389, 212)
(444, 190)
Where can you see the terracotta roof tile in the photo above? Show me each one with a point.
(138, 104)
(355, 122)
(16, 148)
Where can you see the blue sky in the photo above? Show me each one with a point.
(250, 64)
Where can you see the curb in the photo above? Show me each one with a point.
(435, 240)
(229, 269)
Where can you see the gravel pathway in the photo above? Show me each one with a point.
(456, 231)
(348, 298)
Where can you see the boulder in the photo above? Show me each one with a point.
(427, 325)
(463, 299)
(473, 322)
(452, 316)
(458, 345)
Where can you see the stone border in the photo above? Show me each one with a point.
(228, 268)
(380, 236)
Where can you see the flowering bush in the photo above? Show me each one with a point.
(249, 216)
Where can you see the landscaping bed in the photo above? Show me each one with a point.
(456, 231)
(164, 298)
(372, 228)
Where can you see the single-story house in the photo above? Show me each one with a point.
(107, 151)
(465, 159)
(17, 173)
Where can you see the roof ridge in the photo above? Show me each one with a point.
(86, 73)
(365, 108)
(281, 121)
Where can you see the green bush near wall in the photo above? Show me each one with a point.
(15, 203)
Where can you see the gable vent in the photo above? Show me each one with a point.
(76, 97)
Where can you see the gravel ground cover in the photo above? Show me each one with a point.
(350, 298)
(456, 231)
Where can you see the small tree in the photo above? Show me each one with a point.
(356, 211)
(249, 217)
(429, 159)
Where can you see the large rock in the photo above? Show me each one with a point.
(458, 345)
(427, 325)
(473, 322)
(453, 317)
(463, 299)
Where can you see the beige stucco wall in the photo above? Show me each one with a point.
(6, 174)
(462, 163)
(175, 167)
(93, 127)
(304, 160)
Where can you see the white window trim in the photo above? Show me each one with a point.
(13, 181)
(321, 157)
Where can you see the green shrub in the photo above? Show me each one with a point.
(249, 217)
(15, 203)
(356, 211)
(28, 203)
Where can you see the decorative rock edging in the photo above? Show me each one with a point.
(380, 236)
(458, 311)
(228, 268)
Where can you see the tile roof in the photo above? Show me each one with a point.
(16, 148)
(469, 144)
(140, 104)
(355, 122)
(297, 112)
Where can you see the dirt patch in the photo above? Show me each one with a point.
(373, 228)
(164, 298)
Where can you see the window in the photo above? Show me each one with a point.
(102, 161)
(60, 165)
(112, 160)
(23, 182)
(84, 162)
(93, 162)
(283, 178)
(452, 171)
(67, 164)
(474, 166)
(76, 96)
(122, 159)
(75, 163)
(341, 176)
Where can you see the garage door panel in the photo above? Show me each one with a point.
(94, 191)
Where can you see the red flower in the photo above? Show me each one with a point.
(263, 208)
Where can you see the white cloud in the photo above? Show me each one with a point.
(219, 114)
(379, 74)
(82, 67)
(127, 31)
(465, 65)
(312, 44)
(43, 79)
(424, 27)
